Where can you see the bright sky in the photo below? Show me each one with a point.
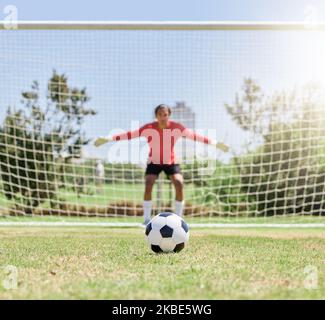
(127, 74)
(275, 10)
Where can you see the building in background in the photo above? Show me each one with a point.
(186, 116)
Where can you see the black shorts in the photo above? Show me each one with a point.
(169, 169)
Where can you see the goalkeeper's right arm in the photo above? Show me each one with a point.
(118, 137)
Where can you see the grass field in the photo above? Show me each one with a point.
(279, 220)
(103, 263)
(109, 194)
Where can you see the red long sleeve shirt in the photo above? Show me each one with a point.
(162, 141)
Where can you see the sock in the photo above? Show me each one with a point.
(147, 205)
(179, 205)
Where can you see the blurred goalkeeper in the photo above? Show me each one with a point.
(161, 136)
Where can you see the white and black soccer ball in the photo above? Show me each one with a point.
(167, 232)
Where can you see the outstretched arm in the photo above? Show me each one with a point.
(190, 134)
(127, 135)
(119, 137)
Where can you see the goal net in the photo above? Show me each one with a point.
(259, 88)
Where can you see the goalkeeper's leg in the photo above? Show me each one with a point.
(147, 202)
(178, 182)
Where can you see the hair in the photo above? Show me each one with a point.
(162, 106)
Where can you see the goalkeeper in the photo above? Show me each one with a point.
(161, 136)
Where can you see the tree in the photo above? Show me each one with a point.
(36, 140)
(282, 175)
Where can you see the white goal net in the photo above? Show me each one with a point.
(259, 88)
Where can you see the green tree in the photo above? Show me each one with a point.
(283, 174)
(36, 141)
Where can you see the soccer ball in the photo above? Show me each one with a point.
(167, 232)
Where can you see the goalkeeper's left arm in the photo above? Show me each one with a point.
(190, 134)
(220, 145)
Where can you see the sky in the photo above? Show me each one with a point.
(127, 74)
(225, 10)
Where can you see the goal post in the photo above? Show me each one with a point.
(259, 87)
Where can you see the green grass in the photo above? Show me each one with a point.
(110, 193)
(101, 263)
